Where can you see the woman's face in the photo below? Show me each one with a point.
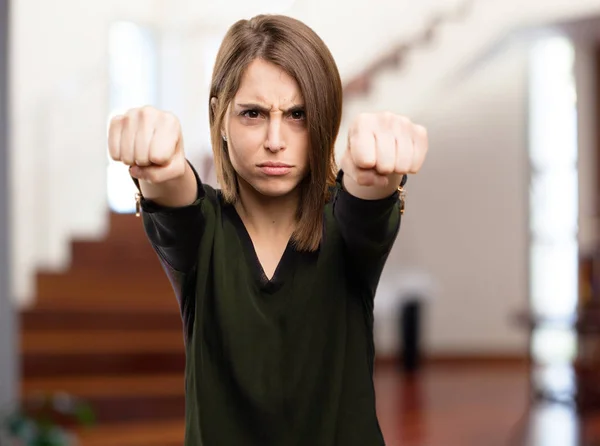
(267, 135)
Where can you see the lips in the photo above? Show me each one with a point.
(273, 164)
(275, 169)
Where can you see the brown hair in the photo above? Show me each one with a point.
(297, 49)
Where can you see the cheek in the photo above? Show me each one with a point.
(305, 151)
(239, 147)
(240, 158)
(301, 143)
(245, 139)
(233, 157)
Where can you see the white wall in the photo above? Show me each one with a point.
(59, 111)
(466, 226)
(485, 300)
(466, 220)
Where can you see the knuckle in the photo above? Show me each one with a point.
(169, 118)
(421, 131)
(131, 114)
(389, 116)
(142, 158)
(127, 123)
(363, 119)
(390, 121)
(388, 165)
(116, 121)
(158, 158)
(386, 168)
(353, 139)
(168, 121)
(402, 122)
(364, 161)
(146, 113)
(125, 119)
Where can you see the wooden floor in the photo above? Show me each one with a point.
(451, 405)
(474, 405)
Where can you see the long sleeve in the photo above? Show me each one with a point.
(175, 234)
(369, 229)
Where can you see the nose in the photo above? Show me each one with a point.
(275, 142)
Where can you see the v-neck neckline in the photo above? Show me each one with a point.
(283, 266)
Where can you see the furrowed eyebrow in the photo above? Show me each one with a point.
(295, 108)
(266, 110)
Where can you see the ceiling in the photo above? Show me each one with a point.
(354, 30)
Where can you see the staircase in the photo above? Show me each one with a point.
(109, 331)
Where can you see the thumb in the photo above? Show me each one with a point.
(159, 174)
(144, 173)
(136, 172)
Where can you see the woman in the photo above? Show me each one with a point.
(275, 272)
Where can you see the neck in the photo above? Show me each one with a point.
(267, 216)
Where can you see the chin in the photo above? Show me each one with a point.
(275, 187)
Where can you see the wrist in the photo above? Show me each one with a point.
(175, 192)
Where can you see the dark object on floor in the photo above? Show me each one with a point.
(410, 334)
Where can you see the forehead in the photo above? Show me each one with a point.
(268, 83)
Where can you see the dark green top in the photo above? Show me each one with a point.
(280, 362)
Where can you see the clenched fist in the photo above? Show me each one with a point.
(150, 141)
(381, 145)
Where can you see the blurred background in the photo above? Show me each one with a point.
(487, 324)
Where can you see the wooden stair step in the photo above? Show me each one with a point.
(102, 341)
(103, 285)
(114, 255)
(110, 304)
(36, 365)
(143, 434)
(109, 331)
(113, 409)
(107, 386)
(79, 319)
(120, 409)
(125, 227)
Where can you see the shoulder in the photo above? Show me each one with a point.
(212, 195)
(210, 204)
(217, 208)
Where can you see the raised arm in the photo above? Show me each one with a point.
(382, 150)
(171, 193)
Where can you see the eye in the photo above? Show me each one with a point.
(298, 114)
(251, 114)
